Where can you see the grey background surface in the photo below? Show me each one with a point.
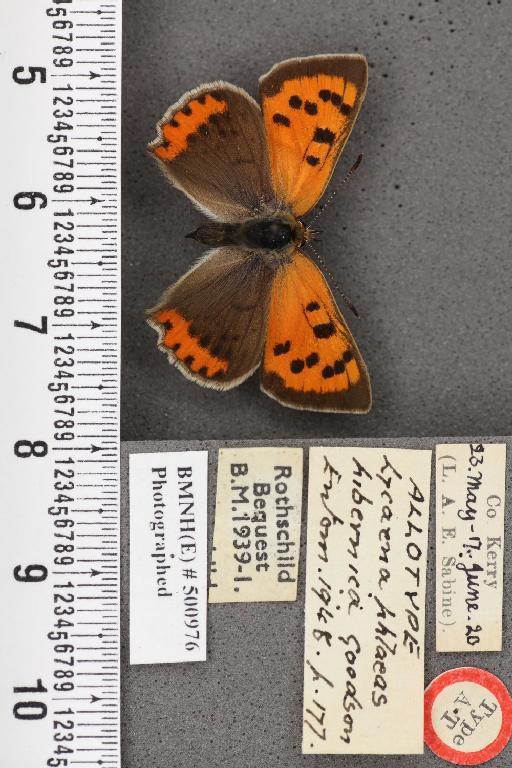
(419, 238)
(242, 708)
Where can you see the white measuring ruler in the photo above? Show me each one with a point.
(59, 436)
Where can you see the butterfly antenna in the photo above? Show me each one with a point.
(330, 275)
(321, 208)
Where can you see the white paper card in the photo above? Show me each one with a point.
(256, 538)
(367, 536)
(168, 556)
(470, 513)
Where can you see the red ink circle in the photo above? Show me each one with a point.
(494, 685)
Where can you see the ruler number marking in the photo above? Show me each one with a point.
(32, 573)
(24, 449)
(30, 710)
(43, 328)
(30, 200)
(21, 79)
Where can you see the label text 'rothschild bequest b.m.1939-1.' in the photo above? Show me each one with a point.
(168, 563)
(470, 514)
(257, 525)
(367, 535)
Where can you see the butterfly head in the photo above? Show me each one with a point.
(300, 233)
(308, 234)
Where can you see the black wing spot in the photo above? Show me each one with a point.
(339, 366)
(282, 349)
(336, 99)
(296, 366)
(312, 360)
(201, 99)
(324, 330)
(312, 160)
(295, 102)
(311, 108)
(174, 122)
(167, 325)
(281, 119)
(328, 372)
(348, 356)
(186, 110)
(217, 96)
(176, 346)
(203, 370)
(324, 94)
(312, 306)
(323, 136)
(345, 109)
(189, 360)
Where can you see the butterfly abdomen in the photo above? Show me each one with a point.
(216, 234)
(269, 233)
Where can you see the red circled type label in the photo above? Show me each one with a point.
(468, 716)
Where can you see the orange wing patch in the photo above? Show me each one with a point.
(187, 123)
(309, 109)
(311, 360)
(177, 337)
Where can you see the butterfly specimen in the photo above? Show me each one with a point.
(256, 299)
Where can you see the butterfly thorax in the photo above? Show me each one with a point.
(270, 233)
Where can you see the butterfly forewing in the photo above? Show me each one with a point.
(211, 144)
(311, 360)
(309, 108)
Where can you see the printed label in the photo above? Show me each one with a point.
(368, 515)
(468, 716)
(256, 540)
(470, 506)
(168, 561)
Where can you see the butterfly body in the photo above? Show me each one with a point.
(266, 233)
(256, 299)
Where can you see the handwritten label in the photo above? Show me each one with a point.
(470, 505)
(368, 515)
(257, 525)
(168, 560)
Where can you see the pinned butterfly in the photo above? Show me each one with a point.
(256, 299)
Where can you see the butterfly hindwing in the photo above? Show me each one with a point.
(309, 108)
(212, 322)
(311, 360)
(211, 144)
